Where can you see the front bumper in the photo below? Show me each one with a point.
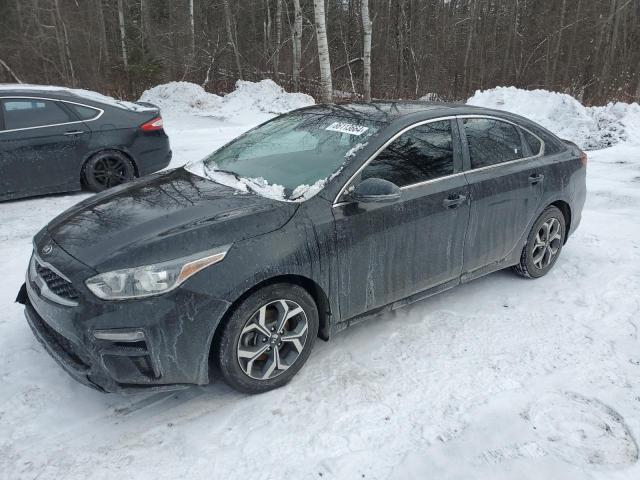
(170, 348)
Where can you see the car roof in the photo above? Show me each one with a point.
(389, 111)
(70, 94)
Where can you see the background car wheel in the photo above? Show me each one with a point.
(544, 244)
(268, 338)
(107, 169)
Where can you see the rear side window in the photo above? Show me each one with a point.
(535, 145)
(423, 153)
(25, 113)
(84, 112)
(491, 142)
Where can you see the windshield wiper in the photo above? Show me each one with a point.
(233, 174)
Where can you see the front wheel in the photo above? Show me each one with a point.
(268, 338)
(544, 244)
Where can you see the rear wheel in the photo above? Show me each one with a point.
(107, 169)
(544, 244)
(268, 338)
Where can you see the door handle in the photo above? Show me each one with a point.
(74, 132)
(454, 201)
(536, 178)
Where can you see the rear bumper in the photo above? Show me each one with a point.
(151, 153)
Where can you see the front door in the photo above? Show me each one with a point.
(388, 252)
(41, 146)
(506, 186)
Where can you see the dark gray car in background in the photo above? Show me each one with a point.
(59, 140)
(163, 282)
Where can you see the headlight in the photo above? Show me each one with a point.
(153, 279)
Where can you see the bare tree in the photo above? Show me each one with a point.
(123, 35)
(276, 53)
(67, 48)
(232, 37)
(296, 44)
(11, 72)
(366, 53)
(326, 85)
(192, 26)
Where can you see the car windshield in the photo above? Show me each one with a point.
(291, 157)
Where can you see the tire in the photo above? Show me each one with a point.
(251, 328)
(544, 244)
(107, 169)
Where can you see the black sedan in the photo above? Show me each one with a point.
(59, 140)
(300, 228)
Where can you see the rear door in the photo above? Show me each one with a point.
(41, 146)
(506, 185)
(388, 252)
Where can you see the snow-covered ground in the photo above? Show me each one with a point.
(499, 378)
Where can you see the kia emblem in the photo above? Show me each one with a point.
(47, 249)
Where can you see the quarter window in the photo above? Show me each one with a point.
(534, 143)
(84, 113)
(423, 153)
(25, 113)
(491, 142)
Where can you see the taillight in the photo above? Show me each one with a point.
(583, 158)
(152, 125)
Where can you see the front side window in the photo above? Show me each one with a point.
(491, 142)
(292, 152)
(421, 154)
(26, 113)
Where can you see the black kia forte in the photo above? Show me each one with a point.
(54, 140)
(298, 229)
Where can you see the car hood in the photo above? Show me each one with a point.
(162, 217)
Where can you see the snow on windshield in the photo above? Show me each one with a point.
(86, 94)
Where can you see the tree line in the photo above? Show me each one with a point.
(332, 49)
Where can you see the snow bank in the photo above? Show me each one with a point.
(265, 96)
(183, 97)
(590, 127)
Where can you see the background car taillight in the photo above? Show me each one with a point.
(152, 125)
(583, 158)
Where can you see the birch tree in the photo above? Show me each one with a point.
(123, 35)
(192, 26)
(326, 85)
(366, 53)
(296, 44)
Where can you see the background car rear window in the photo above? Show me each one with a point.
(84, 113)
(491, 142)
(534, 144)
(25, 113)
(423, 153)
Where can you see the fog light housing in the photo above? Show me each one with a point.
(119, 335)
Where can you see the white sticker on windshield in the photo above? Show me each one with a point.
(349, 128)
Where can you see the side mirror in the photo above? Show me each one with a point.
(375, 190)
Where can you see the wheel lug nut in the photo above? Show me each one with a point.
(268, 349)
(264, 339)
(273, 329)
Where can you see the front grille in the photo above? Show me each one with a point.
(58, 285)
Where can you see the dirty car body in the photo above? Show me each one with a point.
(441, 225)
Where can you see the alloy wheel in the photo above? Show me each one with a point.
(110, 171)
(548, 241)
(272, 339)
